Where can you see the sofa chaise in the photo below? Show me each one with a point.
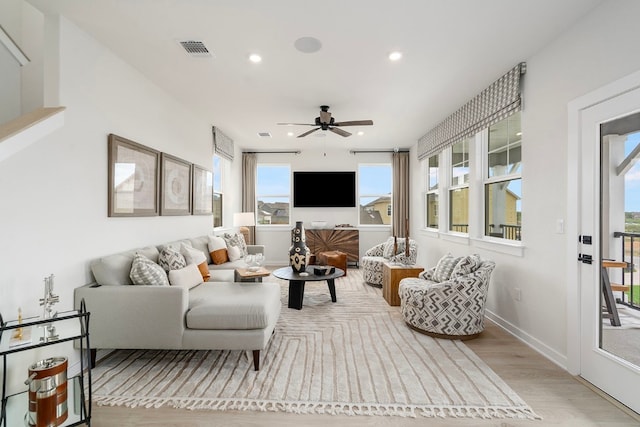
(182, 311)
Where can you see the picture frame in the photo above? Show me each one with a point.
(202, 203)
(175, 186)
(133, 178)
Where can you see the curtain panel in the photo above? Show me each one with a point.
(400, 201)
(249, 165)
(493, 104)
(222, 144)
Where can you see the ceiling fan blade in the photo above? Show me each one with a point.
(325, 117)
(340, 131)
(307, 133)
(355, 123)
(297, 124)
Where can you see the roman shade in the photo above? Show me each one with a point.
(222, 144)
(493, 104)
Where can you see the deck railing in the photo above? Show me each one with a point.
(629, 254)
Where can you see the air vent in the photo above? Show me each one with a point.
(264, 134)
(195, 48)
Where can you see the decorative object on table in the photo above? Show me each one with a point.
(22, 335)
(299, 253)
(202, 191)
(47, 392)
(321, 270)
(375, 257)
(319, 224)
(175, 186)
(47, 302)
(244, 220)
(461, 292)
(134, 172)
(254, 261)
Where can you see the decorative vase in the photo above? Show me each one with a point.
(299, 252)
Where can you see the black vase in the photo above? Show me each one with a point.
(299, 252)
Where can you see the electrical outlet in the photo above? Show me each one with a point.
(516, 293)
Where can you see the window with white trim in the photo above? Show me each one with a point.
(217, 191)
(459, 187)
(503, 180)
(431, 195)
(273, 194)
(374, 190)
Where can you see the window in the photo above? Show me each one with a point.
(459, 187)
(503, 180)
(374, 189)
(217, 191)
(431, 197)
(273, 194)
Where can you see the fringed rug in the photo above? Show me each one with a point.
(353, 357)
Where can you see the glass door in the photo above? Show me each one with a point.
(610, 247)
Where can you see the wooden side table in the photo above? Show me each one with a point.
(391, 276)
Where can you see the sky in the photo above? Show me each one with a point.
(632, 177)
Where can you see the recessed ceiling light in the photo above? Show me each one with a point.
(519, 134)
(255, 58)
(395, 56)
(360, 133)
(308, 44)
(289, 133)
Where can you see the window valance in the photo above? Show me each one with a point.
(493, 104)
(222, 144)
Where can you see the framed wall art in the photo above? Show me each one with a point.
(202, 191)
(134, 172)
(175, 186)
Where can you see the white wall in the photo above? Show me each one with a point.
(599, 49)
(53, 194)
(314, 157)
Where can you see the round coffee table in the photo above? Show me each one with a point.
(296, 283)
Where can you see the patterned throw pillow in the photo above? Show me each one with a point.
(146, 272)
(171, 259)
(466, 265)
(444, 268)
(387, 251)
(236, 240)
(218, 250)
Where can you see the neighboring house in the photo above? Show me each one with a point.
(380, 209)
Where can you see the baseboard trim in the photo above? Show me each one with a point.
(548, 352)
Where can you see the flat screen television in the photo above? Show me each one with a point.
(324, 189)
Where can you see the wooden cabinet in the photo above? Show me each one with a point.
(345, 240)
(391, 277)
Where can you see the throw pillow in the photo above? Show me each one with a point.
(197, 257)
(218, 250)
(445, 266)
(233, 252)
(387, 251)
(171, 259)
(146, 272)
(466, 265)
(186, 277)
(237, 240)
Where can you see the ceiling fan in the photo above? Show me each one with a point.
(326, 122)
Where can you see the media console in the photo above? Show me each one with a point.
(345, 240)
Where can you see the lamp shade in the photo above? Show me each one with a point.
(244, 219)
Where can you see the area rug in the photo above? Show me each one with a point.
(352, 357)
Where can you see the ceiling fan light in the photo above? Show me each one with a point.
(255, 58)
(395, 56)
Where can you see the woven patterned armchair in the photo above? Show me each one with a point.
(374, 258)
(452, 308)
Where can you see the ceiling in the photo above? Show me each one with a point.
(452, 49)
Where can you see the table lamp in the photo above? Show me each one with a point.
(244, 220)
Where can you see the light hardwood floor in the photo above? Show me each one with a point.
(559, 398)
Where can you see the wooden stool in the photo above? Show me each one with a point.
(333, 258)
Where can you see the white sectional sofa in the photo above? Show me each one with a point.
(214, 315)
